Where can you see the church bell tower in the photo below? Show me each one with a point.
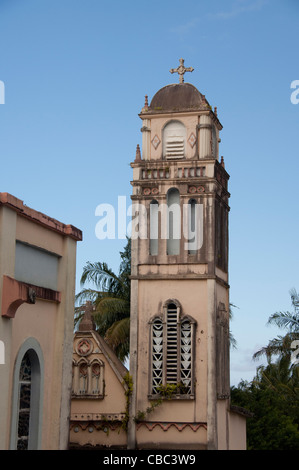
(179, 345)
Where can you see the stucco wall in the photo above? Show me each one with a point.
(46, 325)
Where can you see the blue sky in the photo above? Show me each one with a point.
(75, 75)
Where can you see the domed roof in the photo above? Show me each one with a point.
(177, 97)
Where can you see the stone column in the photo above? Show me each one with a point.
(146, 139)
(205, 136)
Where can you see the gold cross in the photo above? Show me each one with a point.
(181, 69)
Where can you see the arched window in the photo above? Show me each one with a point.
(83, 376)
(27, 399)
(154, 227)
(172, 351)
(174, 138)
(97, 377)
(25, 379)
(88, 378)
(173, 222)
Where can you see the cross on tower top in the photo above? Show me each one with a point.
(181, 70)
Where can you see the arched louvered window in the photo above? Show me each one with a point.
(172, 351)
(174, 138)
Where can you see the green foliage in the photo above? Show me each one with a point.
(169, 390)
(141, 415)
(281, 346)
(165, 392)
(274, 425)
(273, 395)
(128, 381)
(110, 297)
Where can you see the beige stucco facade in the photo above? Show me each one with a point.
(99, 400)
(37, 288)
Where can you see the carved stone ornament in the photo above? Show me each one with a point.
(156, 141)
(181, 70)
(84, 347)
(196, 189)
(192, 139)
(148, 191)
(192, 189)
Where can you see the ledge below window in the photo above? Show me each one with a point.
(173, 397)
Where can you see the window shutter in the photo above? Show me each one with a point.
(174, 137)
(172, 352)
(175, 147)
(186, 357)
(157, 355)
(172, 345)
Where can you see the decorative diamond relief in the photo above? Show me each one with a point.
(156, 141)
(192, 139)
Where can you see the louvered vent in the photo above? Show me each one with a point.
(172, 352)
(174, 138)
(172, 345)
(175, 147)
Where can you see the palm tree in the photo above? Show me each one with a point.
(110, 297)
(281, 346)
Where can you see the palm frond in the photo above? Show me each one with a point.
(88, 294)
(112, 305)
(117, 336)
(110, 297)
(101, 276)
(285, 320)
(280, 346)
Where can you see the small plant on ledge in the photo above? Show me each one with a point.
(166, 392)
